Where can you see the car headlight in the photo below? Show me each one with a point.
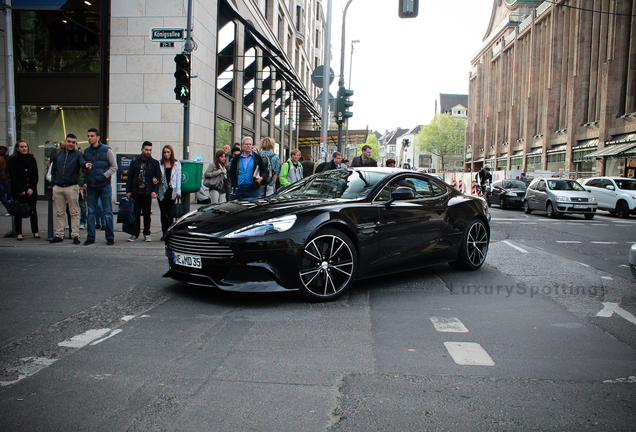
(280, 224)
(560, 198)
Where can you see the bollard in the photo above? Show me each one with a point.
(50, 230)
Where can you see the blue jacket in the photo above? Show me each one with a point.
(98, 156)
(152, 171)
(65, 168)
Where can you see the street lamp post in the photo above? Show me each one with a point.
(341, 81)
(350, 69)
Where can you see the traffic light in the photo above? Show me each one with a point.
(408, 8)
(182, 77)
(343, 104)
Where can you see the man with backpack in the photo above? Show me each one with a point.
(272, 162)
(292, 170)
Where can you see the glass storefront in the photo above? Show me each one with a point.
(556, 162)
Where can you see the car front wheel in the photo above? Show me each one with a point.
(526, 207)
(622, 209)
(549, 209)
(328, 266)
(474, 247)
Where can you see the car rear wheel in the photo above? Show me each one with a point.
(549, 209)
(633, 270)
(622, 209)
(328, 265)
(526, 207)
(474, 247)
(502, 203)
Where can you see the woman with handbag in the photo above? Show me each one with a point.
(170, 188)
(216, 178)
(23, 172)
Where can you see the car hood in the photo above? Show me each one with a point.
(221, 217)
(513, 189)
(571, 194)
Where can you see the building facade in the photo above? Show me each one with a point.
(553, 87)
(81, 64)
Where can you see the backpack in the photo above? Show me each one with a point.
(267, 158)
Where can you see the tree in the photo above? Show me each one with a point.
(443, 137)
(372, 140)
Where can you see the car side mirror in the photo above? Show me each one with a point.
(609, 187)
(403, 193)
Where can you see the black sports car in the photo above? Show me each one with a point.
(325, 231)
(508, 193)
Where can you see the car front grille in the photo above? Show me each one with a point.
(521, 194)
(202, 246)
(574, 199)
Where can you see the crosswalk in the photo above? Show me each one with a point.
(462, 353)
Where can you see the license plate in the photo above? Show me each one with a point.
(193, 261)
(580, 206)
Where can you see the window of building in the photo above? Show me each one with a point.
(225, 58)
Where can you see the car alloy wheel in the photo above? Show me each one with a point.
(474, 247)
(502, 203)
(328, 265)
(526, 207)
(622, 210)
(549, 209)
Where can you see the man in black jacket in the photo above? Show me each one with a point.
(65, 171)
(144, 177)
(334, 163)
(248, 172)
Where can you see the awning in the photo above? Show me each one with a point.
(535, 151)
(612, 150)
(557, 149)
(586, 144)
(503, 156)
(623, 139)
(479, 160)
(279, 60)
(517, 153)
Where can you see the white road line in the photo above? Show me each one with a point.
(506, 219)
(515, 247)
(584, 265)
(606, 278)
(448, 325)
(84, 338)
(569, 241)
(609, 243)
(28, 366)
(610, 309)
(528, 223)
(468, 354)
(113, 333)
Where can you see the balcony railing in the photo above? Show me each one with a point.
(525, 23)
(543, 7)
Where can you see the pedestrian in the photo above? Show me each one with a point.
(365, 159)
(65, 173)
(170, 186)
(346, 163)
(4, 184)
(216, 179)
(523, 177)
(23, 173)
(390, 163)
(273, 165)
(144, 177)
(407, 164)
(308, 166)
(247, 173)
(334, 163)
(98, 178)
(226, 150)
(292, 170)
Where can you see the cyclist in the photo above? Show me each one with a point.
(484, 180)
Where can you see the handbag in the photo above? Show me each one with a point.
(126, 213)
(177, 210)
(19, 209)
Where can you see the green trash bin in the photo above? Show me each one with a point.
(191, 174)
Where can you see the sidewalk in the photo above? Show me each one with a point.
(100, 237)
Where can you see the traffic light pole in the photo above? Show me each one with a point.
(185, 198)
(341, 80)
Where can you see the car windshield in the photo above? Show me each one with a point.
(626, 184)
(565, 185)
(340, 183)
(514, 184)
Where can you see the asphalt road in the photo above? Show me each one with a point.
(94, 339)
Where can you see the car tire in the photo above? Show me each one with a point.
(526, 207)
(589, 216)
(328, 265)
(622, 209)
(550, 211)
(474, 247)
(502, 203)
(633, 268)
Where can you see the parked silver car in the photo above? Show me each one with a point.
(559, 196)
(614, 194)
(632, 259)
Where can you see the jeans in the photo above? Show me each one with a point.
(104, 195)
(247, 193)
(164, 208)
(143, 202)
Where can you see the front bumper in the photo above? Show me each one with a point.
(575, 208)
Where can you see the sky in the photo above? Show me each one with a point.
(401, 66)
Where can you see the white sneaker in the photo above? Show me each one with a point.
(132, 238)
(147, 238)
(82, 225)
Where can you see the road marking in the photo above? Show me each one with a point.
(608, 243)
(515, 247)
(84, 338)
(606, 278)
(624, 265)
(610, 309)
(584, 265)
(113, 333)
(528, 223)
(506, 219)
(29, 366)
(629, 380)
(600, 224)
(468, 354)
(448, 325)
(569, 241)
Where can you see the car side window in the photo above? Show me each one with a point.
(422, 188)
(541, 184)
(593, 183)
(603, 183)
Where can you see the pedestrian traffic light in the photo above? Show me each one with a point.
(182, 77)
(408, 8)
(343, 105)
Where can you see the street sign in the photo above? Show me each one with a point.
(167, 34)
(317, 75)
(331, 100)
(166, 44)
